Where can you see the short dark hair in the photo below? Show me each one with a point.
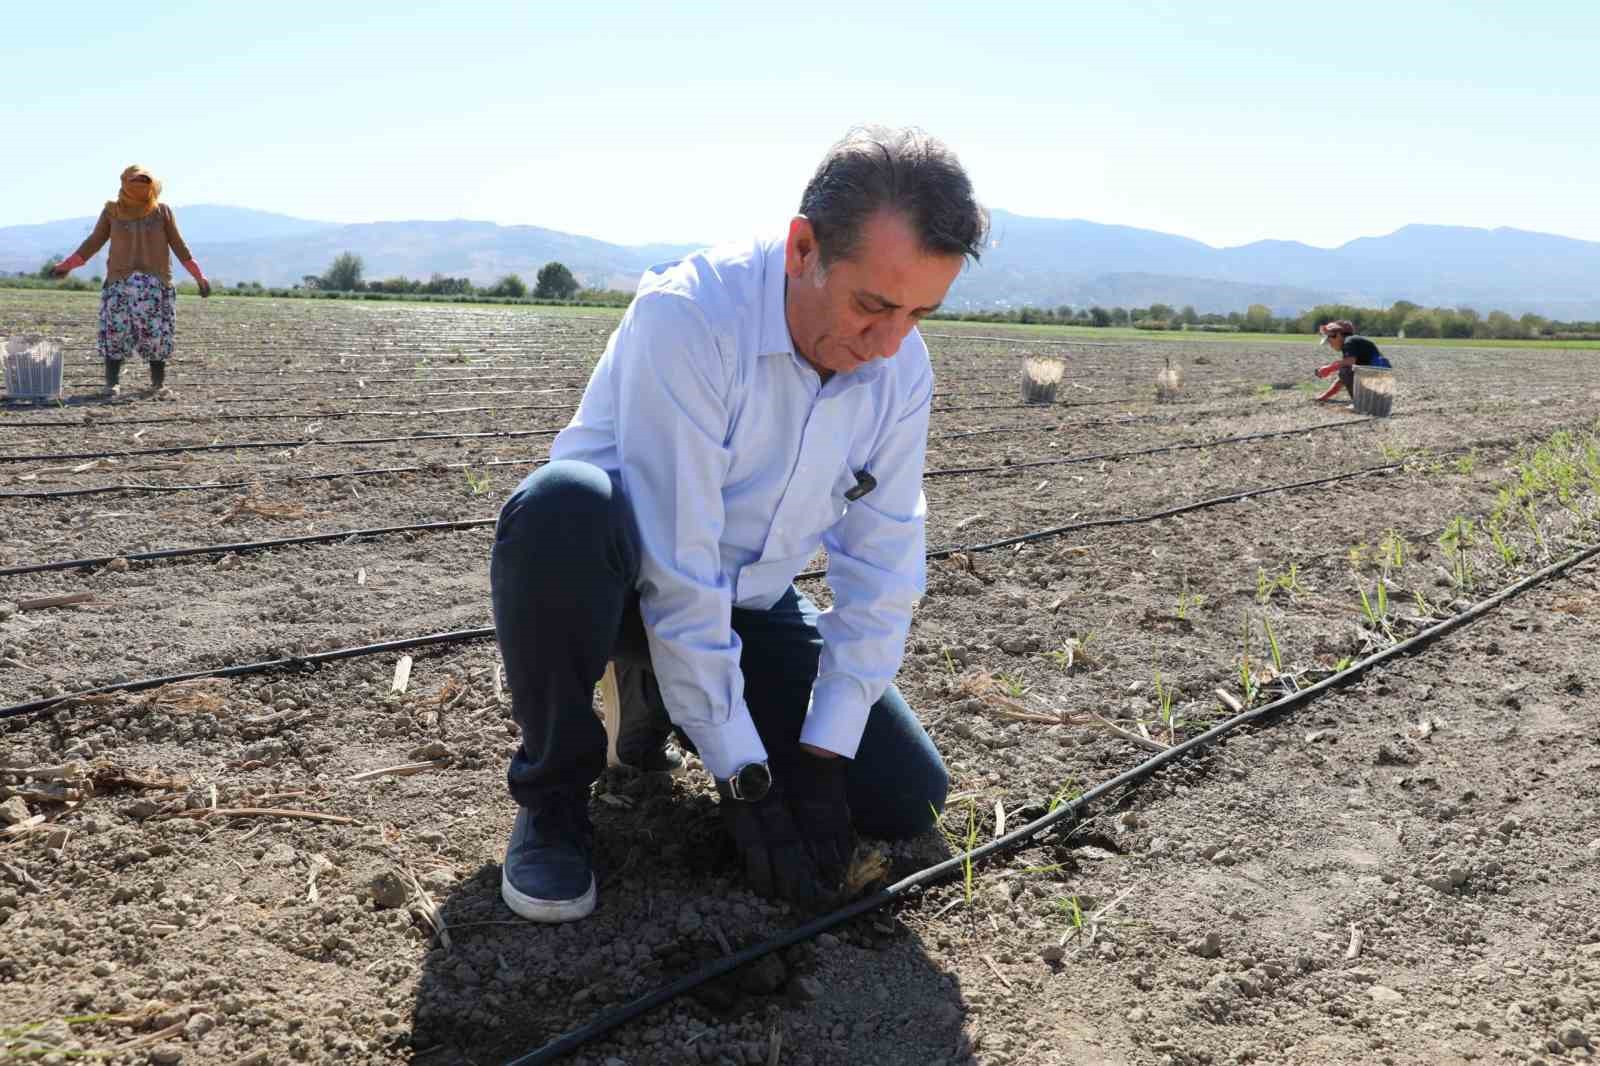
(905, 170)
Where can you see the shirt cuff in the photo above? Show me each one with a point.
(726, 747)
(837, 716)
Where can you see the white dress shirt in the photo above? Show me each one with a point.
(736, 458)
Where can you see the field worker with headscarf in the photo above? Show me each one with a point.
(138, 313)
(1353, 351)
(757, 402)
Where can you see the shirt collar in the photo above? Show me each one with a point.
(775, 338)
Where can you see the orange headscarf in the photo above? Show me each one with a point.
(137, 199)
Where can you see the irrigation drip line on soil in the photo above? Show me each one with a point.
(461, 635)
(215, 486)
(1072, 810)
(47, 494)
(455, 636)
(1029, 464)
(247, 546)
(1131, 520)
(294, 384)
(91, 422)
(307, 442)
(1027, 341)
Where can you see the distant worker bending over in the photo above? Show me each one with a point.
(138, 313)
(756, 402)
(1353, 350)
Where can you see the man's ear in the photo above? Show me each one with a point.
(801, 248)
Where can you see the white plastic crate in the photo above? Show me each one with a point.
(33, 369)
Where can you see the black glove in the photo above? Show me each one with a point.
(776, 860)
(816, 791)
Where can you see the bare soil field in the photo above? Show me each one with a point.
(1404, 869)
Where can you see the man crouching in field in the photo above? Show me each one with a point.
(756, 402)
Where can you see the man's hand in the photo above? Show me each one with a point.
(60, 270)
(816, 790)
(776, 859)
(204, 286)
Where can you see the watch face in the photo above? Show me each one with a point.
(754, 780)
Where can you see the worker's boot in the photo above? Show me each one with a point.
(158, 376)
(113, 377)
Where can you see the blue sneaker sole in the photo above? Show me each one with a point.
(546, 910)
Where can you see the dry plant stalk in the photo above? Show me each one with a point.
(202, 695)
(261, 507)
(1041, 379)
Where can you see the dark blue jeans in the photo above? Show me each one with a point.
(565, 563)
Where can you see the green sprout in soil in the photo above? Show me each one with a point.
(1466, 463)
(1508, 552)
(1065, 794)
(1247, 677)
(949, 662)
(1076, 651)
(478, 482)
(965, 846)
(1268, 585)
(1272, 644)
(1375, 608)
(1392, 551)
(1188, 602)
(1164, 703)
(1455, 542)
(1073, 911)
(1012, 686)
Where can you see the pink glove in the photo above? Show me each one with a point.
(1330, 369)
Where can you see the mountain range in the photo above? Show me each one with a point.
(1039, 261)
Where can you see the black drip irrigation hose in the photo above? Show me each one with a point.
(60, 493)
(1030, 341)
(477, 634)
(246, 546)
(1130, 520)
(215, 486)
(1186, 446)
(455, 636)
(308, 442)
(304, 415)
(1071, 810)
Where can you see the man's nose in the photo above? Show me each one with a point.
(886, 334)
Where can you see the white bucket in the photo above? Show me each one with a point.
(1372, 391)
(33, 369)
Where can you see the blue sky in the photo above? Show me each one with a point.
(636, 122)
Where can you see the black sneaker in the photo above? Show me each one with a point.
(548, 873)
(638, 731)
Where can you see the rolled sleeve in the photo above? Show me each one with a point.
(876, 571)
(672, 418)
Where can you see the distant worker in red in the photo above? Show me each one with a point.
(1353, 351)
(138, 312)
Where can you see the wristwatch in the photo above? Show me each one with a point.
(750, 783)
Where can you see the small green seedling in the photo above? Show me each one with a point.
(478, 482)
(1272, 643)
(1065, 794)
(1164, 701)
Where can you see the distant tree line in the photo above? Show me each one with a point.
(556, 284)
(1403, 318)
(345, 274)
